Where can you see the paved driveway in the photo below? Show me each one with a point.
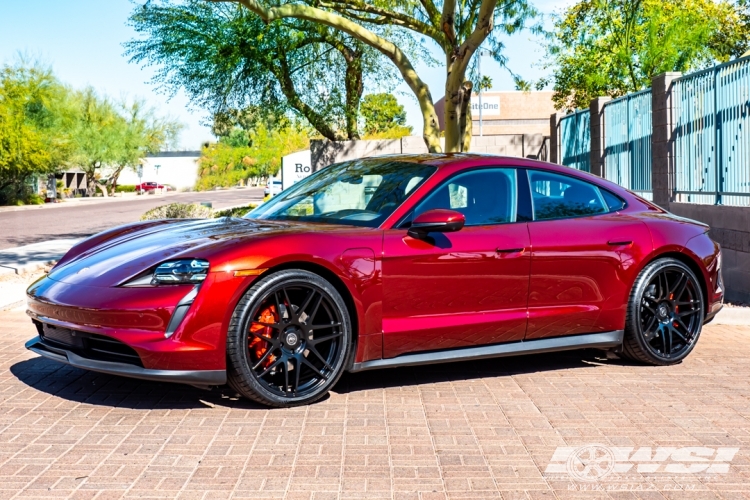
(509, 428)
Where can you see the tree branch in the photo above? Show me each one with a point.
(384, 16)
(433, 14)
(418, 87)
(448, 21)
(287, 87)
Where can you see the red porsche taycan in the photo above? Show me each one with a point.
(383, 262)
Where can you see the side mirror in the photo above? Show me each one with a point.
(438, 220)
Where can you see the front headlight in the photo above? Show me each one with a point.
(181, 272)
(174, 272)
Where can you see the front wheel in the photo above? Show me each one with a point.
(289, 339)
(665, 313)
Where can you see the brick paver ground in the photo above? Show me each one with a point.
(472, 430)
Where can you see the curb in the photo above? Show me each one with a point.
(28, 268)
(12, 305)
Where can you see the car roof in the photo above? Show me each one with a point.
(445, 160)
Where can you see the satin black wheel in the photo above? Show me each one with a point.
(289, 339)
(665, 313)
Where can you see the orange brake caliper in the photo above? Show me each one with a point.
(260, 346)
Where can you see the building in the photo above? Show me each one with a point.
(179, 169)
(507, 113)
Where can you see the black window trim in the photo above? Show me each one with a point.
(609, 211)
(405, 221)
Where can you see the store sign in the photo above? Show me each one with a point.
(295, 167)
(490, 106)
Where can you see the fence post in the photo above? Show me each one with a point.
(554, 138)
(662, 139)
(596, 154)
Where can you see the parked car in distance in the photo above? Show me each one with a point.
(273, 187)
(151, 186)
(378, 263)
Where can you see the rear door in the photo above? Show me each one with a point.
(465, 288)
(584, 258)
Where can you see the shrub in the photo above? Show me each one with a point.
(234, 211)
(128, 188)
(178, 211)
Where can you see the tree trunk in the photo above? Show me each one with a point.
(465, 118)
(354, 89)
(112, 182)
(454, 97)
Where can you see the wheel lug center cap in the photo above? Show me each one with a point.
(663, 311)
(292, 337)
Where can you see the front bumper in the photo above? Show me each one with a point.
(192, 377)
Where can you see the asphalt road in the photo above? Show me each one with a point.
(83, 218)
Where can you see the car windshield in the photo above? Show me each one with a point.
(357, 193)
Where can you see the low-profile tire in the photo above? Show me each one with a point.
(289, 339)
(665, 314)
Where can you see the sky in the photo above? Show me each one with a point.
(82, 41)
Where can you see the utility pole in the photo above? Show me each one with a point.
(480, 53)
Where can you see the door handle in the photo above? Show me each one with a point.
(615, 243)
(509, 250)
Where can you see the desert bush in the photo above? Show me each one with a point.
(178, 211)
(125, 188)
(234, 211)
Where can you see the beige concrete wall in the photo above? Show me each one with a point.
(324, 152)
(730, 227)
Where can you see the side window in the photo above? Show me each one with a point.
(614, 202)
(486, 196)
(556, 196)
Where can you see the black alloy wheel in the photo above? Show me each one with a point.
(665, 313)
(289, 339)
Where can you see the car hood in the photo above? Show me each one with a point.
(124, 256)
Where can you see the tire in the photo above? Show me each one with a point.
(289, 340)
(665, 314)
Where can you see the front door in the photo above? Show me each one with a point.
(460, 289)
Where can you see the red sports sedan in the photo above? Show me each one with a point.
(383, 262)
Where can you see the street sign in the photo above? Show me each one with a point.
(295, 167)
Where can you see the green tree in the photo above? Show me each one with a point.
(96, 136)
(382, 115)
(33, 120)
(458, 28)
(108, 137)
(249, 155)
(140, 132)
(228, 59)
(613, 47)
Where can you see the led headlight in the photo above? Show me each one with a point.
(180, 272)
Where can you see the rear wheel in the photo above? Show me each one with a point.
(665, 313)
(289, 339)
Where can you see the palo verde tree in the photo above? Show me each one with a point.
(613, 47)
(227, 59)
(107, 137)
(457, 27)
(139, 131)
(34, 119)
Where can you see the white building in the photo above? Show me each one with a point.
(176, 168)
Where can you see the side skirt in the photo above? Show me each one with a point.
(590, 340)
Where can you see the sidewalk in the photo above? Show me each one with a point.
(74, 202)
(20, 266)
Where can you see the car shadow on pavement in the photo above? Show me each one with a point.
(93, 388)
(467, 370)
